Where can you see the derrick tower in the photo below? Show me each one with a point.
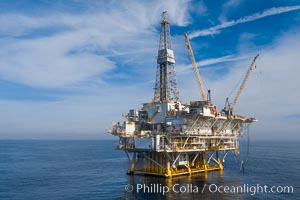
(166, 89)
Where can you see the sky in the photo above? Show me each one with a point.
(68, 69)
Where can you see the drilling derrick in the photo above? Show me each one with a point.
(168, 138)
(166, 89)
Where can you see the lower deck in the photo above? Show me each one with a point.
(179, 172)
(169, 164)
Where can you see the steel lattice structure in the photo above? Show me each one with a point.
(166, 89)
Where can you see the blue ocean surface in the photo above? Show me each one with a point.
(80, 169)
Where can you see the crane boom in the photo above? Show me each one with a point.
(236, 99)
(196, 71)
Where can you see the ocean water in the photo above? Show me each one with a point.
(33, 169)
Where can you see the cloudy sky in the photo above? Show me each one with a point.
(70, 68)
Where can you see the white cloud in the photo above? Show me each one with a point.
(130, 28)
(77, 116)
(47, 61)
(77, 53)
(269, 12)
(183, 69)
(227, 6)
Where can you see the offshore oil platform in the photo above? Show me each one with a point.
(167, 137)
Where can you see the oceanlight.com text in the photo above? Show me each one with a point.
(210, 188)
